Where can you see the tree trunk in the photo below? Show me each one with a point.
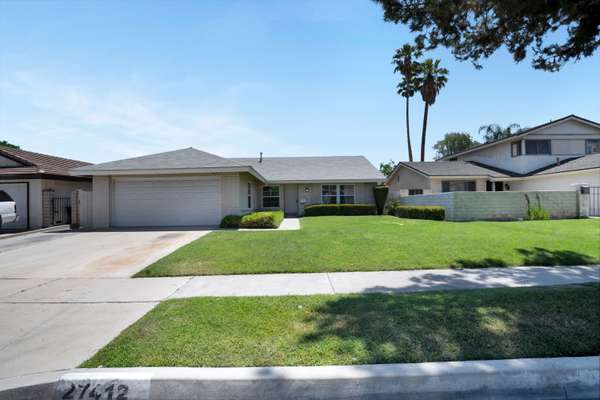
(424, 132)
(410, 155)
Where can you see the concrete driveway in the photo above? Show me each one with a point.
(64, 295)
(97, 254)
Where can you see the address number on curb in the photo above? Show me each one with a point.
(91, 390)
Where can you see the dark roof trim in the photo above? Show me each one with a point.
(520, 134)
(46, 176)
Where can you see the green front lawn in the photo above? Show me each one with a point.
(362, 329)
(372, 243)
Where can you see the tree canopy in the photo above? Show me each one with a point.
(473, 30)
(452, 143)
(493, 132)
(387, 168)
(7, 144)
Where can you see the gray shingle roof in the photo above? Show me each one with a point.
(274, 169)
(590, 161)
(453, 168)
(306, 169)
(189, 158)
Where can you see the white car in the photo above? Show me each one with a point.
(8, 209)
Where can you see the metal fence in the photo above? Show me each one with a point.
(61, 210)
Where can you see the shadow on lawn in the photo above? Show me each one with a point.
(535, 256)
(386, 328)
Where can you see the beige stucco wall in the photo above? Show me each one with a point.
(404, 179)
(101, 201)
(37, 186)
(244, 179)
(566, 181)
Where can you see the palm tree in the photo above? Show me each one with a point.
(492, 132)
(431, 80)
(406, 65)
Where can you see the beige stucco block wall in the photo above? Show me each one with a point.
(65, 188)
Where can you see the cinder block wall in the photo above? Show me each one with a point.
(469, 206)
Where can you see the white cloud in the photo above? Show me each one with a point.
(104, 123)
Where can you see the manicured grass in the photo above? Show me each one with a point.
(368, 243)
(362, 329)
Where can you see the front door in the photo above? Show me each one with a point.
(290, 196)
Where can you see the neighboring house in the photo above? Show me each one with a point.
(559, 155)
(191, 187)
(41, 186)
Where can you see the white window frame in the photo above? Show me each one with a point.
(278, 197)
(338, 194)
(249, 195)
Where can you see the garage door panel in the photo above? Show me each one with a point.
(166, 202)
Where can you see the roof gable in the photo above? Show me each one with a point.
(546, 126)
(189, 158)
(315, 169)
(28, 162)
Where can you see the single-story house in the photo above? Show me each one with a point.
(40, 185)
(190, 187)
(560, 155)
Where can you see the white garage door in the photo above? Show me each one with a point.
(166, 202)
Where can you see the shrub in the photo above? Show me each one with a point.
(380, 193)
(318, 210)
(437, 213)
(231, 221)
(538, 213)
(262, 219)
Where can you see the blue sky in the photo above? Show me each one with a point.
(99, 81)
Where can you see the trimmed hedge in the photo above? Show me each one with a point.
(231, 221)
(380, 193)
(262, 219)
(318, 210)
(437, 213)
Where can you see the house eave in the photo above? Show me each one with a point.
(166, 171)
(283, 182)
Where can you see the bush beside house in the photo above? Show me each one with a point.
(262, 219)
(318, 210)
(437, 213)
(231, 221)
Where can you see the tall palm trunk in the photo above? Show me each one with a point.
(410, 155)
(424, 132)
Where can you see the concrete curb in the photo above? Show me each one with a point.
(550, 378)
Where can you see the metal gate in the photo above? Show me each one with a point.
(595, 201)
(61, 210)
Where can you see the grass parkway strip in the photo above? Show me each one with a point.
(484, 324)
(379, 243)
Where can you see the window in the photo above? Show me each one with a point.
(329, 194)
(537, 147)
(270, 196)
(337, 194)
(249, 193)
(346, 194)
(458, 186)
(412, 192)
(592, 146)
(516, 149)
(4, 196)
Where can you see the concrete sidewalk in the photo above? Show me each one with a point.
(49, 325)
(384, 282)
